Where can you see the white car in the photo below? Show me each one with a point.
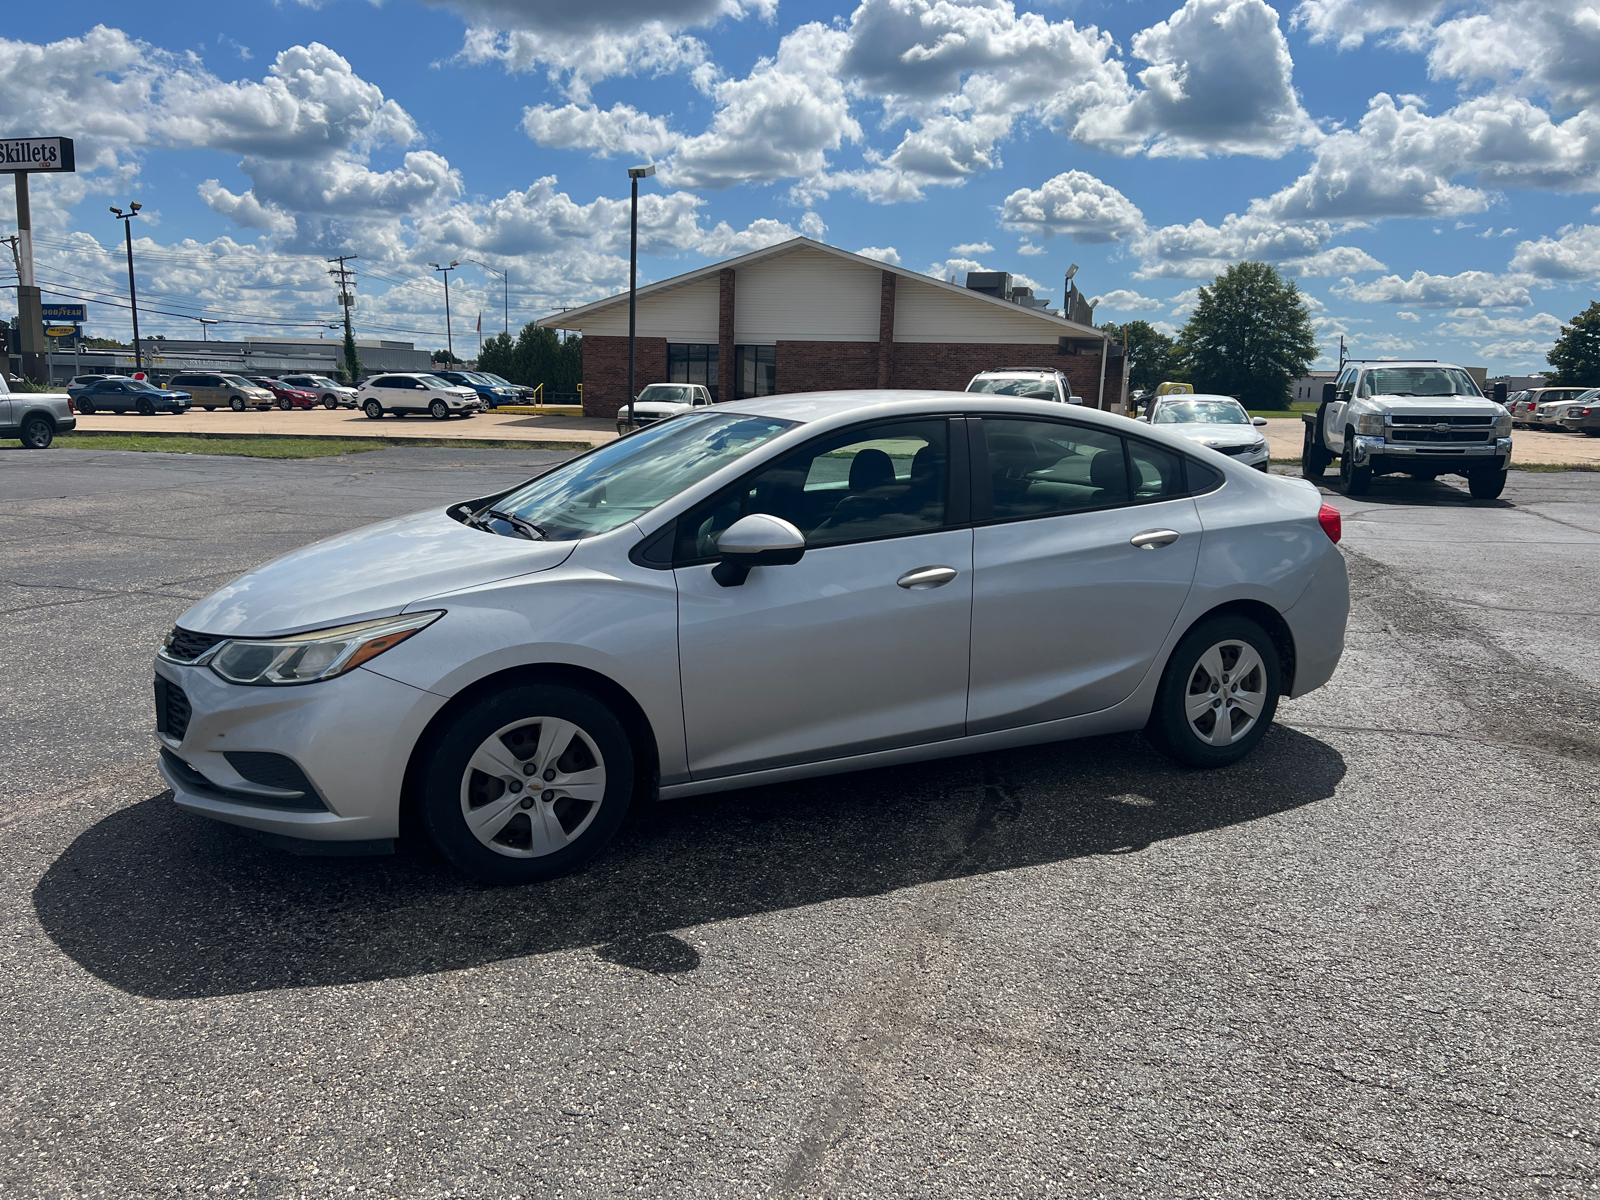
(1217, 422)
(658, 401)
(762, 591)
(1038, 383)
(332, 393)
(403, 393)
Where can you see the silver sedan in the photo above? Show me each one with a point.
(1219, 423)
(764, 591)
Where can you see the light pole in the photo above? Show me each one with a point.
(505, 281)
(449, 339)
(205, 324)
(133, 296)
(634, 175)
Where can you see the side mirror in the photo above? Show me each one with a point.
(1500, 392)
(1330, 392)
(758, 540)
(1258, 420)
(1074, 399)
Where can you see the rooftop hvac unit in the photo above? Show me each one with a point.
(990, 283)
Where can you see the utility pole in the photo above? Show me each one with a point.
(347, 300)
(634, 175)
(133, 295)
(449, 338)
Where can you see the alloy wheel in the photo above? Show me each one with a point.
(533, 787)
(1227, 693)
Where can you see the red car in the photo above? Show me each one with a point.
(287, 397)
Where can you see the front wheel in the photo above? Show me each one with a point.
(146, 409)
(1354, 480)
(286, 405)
(1218, 693)
(439, 410)
(237, 404)
(329, 402)
(373, 409)
(528, 784)
(37, 433)
(1486, 483)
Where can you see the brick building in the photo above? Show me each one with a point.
(804, 317)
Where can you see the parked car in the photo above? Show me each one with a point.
(759, 591)
(286, 394)
(213, 391)
(1521, 405)
(331, 393)
(658, 401)
(1550, 404)
(525, 394)
(492, 394)
(421, 392)
(1040, 383)
(78, 382)
(131, 395)
(34, 417)
(1219, 423)
(1582, 415)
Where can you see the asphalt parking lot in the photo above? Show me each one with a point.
(1362, 963)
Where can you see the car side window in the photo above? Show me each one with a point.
(880, 481)
(1156, 472)
(1043, 468)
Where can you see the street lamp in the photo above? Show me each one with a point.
(133, 297)
(505, 280)
(634, 175)
(205, 324)
(449, 340)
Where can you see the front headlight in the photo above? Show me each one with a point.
(320, 654)
(1502, 424)
(1370, 424)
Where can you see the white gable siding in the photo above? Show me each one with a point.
(806, 296)
(680, 314)
(926, 313)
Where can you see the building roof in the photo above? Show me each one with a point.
(565, 319)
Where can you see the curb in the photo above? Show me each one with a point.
(491, 442)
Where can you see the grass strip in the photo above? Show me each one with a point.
(268, 446)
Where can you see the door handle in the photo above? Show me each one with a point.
(1151, 538)
(924, 578)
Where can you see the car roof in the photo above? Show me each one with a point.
(809, 407)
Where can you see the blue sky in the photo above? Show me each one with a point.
(1428, 171)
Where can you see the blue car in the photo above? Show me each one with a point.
(131, 395)
(491, 393)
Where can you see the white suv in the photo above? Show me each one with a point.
(402, 394)
(1038, 383)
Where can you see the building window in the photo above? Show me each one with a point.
(756, 369)
(692, 364)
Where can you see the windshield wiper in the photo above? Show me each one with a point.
(526, 528)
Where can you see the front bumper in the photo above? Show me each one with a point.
(351, 736)
(1377, 450)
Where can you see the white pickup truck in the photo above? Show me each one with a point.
(35, 417)
(1422, 419)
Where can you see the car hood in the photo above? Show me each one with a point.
(371, 572)
(1461, 405)
(1216, 435)
(659, 408)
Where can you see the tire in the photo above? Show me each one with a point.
(1486, 483)
(439, 410)
(286, 405)
(1184, 725)
(1353, 480)
(373, 409)
(237, 404)
(1314, 457)
(402, 413)
(525, 835)
(210, 407)
(145, 408)
(86, 408)
(330, 402)
(1591, 433)
(37, 433)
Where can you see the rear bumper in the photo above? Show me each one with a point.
(1317, 623)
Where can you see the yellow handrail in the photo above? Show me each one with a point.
(538, 394)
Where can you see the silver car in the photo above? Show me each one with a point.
(1219, 423)
(761, 591)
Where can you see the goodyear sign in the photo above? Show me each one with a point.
(37, 154)
(62, 313)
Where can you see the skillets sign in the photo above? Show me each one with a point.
(37, 154)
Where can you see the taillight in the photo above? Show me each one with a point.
(1332, 524)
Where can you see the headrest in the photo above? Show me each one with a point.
(870, 469)
(1106, 471)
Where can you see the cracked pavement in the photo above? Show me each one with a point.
(1361, 963)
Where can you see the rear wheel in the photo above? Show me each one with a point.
(439, 410)
(528, 784)
(1354, 480)
(37, 433)
(1218, 693)
(86, 407)
(1486, 483)
(237, 404)
(373, 409)
(1314, 456)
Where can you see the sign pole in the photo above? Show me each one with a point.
(30, 319)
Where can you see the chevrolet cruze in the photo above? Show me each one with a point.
(761, 591)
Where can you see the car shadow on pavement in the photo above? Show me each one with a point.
(163, 904)
(1434, 493)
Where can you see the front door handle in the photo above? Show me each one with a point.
(1151, 538)
(927, 577)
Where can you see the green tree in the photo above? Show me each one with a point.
(1575, 358)
(1153, 357)
(1250, 336)
(536, 356)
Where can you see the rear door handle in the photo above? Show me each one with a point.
(1151, 538)
(927, 577)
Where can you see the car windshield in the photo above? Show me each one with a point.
(664, 393)
(1418, 381)
(632, 475)
(434, 381)
(477, 378)
(1011, 387)
(495, 379)
(1201, 412)
(235, 381)
(140, 385)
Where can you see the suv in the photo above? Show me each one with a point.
(35, 417)
(1040, 383)
(491, 393)
(222, 391)
(1547, 405)
(1422, 419)
(420, 392)
(333, 395)
(658, 401)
